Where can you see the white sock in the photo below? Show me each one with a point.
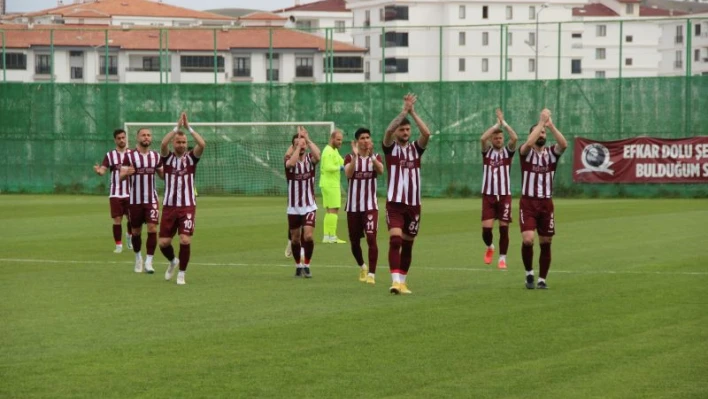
(402, 278)
(396, 277)
(363, 267)
(370, 274)
(300, 265)
(502, 258)
(138, 256)
(181, 273)
(302, 253)
(491, 246)
(148, 259)
(541, 280)
(119, 245)
(530, 273)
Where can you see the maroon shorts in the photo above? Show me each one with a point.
(362, 223)
(177, 219)
(404, 217)
(537, 214)
(297, 221)
(496, 207)
(144, 213)
(119, 206)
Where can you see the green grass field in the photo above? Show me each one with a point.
(626, 315)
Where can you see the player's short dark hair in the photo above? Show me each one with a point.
(531, 129)
(360, 131)
(117, 132)
(497, 131)
(404, 122)
(140, 130)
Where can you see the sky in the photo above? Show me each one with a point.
(34, 5)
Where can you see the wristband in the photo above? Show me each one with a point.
(176, 129)
(191, 130)
(505, 124)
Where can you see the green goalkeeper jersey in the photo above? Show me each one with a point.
(330, 167)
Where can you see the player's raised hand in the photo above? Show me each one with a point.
(408, 101)
(545, 115)
(370, 149)
(355, 148)
(96, 168)
(185, 122)
(302, 132)
(500, 116)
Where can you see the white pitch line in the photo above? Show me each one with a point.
(452, 269)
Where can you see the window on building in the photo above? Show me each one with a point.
(151, 63)
(576, 67)
(600, 53)
(630, 8)
(532, 12)
(509, 38)
(272, 66)
(396, 65)
(340, 26)
(76, 53)
(679, 34)
(485, 65)
(112, 65)
(347, 64)
(305, 25)
(242, 67)
(201, 63)
(367, 42)
(629, 39)
(601, 30)
(509, 65)
(697, 29)
(42, 64)
(485, 12)
(462, 39)
(395, 39)
(599, 74)
(461, 64)
(532, 65)
(509, 12)
(532, 38)
(16, 61)
(77, 73)
(678, 61)
(577, 35)
(628, 62)
(485, 38)
(395, 13)
(463, 12)
(304, 67)
(697, 55)
(367, 18)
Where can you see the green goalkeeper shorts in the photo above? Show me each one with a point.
(331, 197)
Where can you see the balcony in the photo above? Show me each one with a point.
(136, 69)
(678, 64)
(678, 39)
(111, 71)
(77, 73)
(576, 45)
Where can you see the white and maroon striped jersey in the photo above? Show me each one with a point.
(301, 186)
(179, 179)
(113, 161)
(142, 182)
(403, 164)
(361, 195)
(495, 174)
(538, 170)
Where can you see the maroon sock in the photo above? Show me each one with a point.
(394, 253)
(185, 250)
(309, 249)
(117, 233)
(151, 243)
(373, 252)
(168, 251)
(296, 251)
(137, 242)
(356, 251)
(487, 236)
(503, 240)
(527, 256)
(544, 260)
(406, 256)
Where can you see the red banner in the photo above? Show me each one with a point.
(641, 160)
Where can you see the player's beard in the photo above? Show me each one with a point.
(541, 142)
(145, 144)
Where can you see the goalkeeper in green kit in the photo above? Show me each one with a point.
(331, 166)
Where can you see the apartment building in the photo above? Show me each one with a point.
(112, 40)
